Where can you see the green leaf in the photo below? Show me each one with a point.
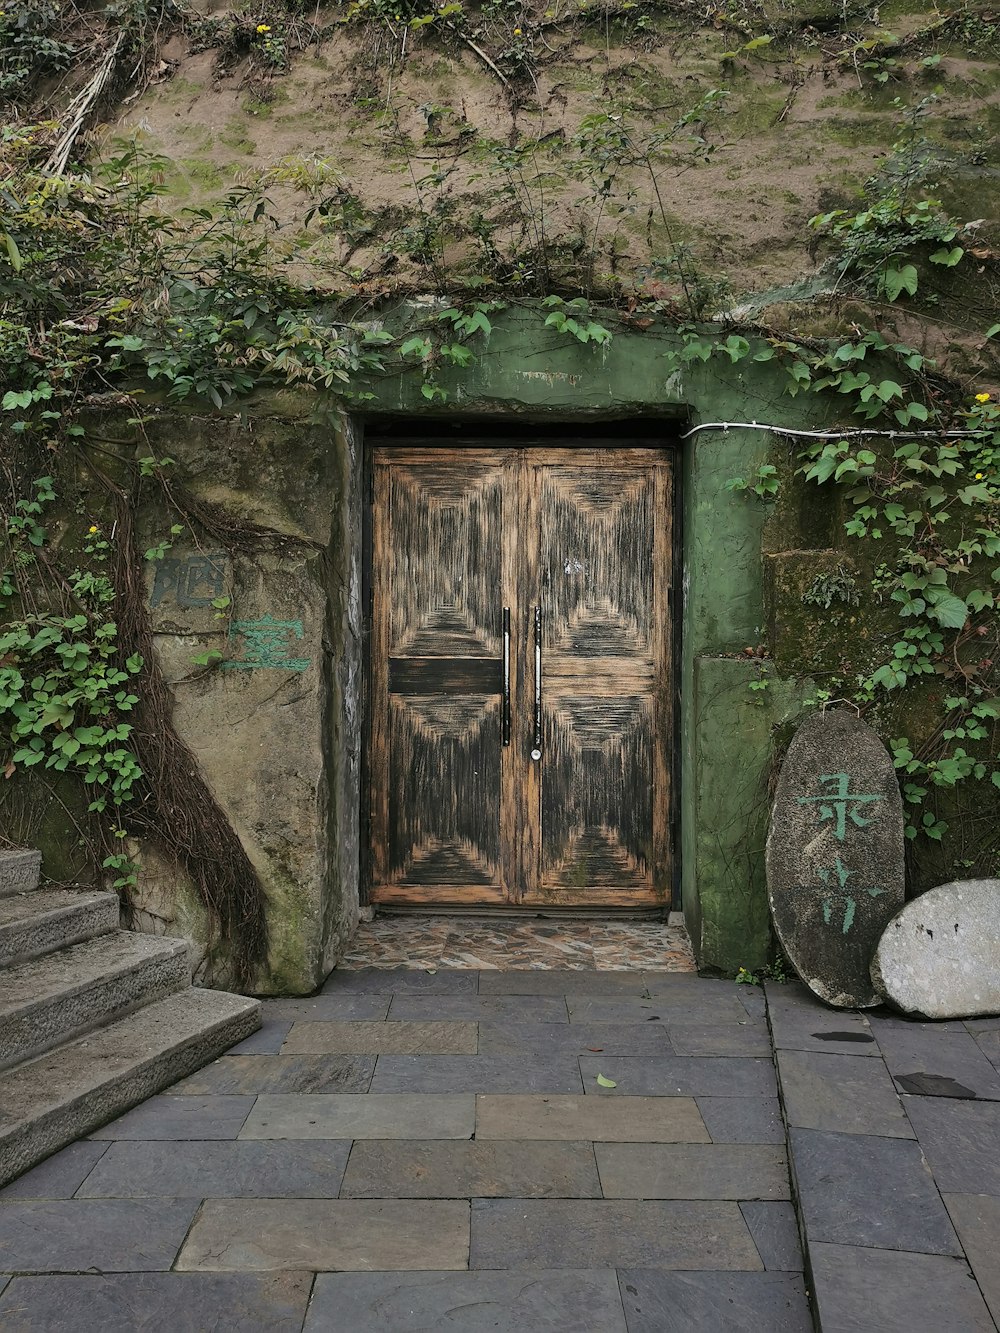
(947, 609)
(992, 333)
(13, 253)
(895, 281)
(603, 1082)
(949, 258)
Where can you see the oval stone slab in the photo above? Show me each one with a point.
(940, 956)
(835, 875)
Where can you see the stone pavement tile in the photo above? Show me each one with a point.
(267, 1040)
(857, 1189)
(166, 1117)
(956, 1064)
(373, 1116)
(573, 1039)
(798, 1024)
(480, 1008)
(172, 1302)
(346, 1235)
(988, 1041)
(857, 1290)
(72, 1235)
(281, 1073)
(747, 1038)
(382, 1039)
(977, 1221)
(3, 1281)
(988, 1024)
(691, 1171)
(563, 981)
(686, 1003)
(477, 1073)
(775, 1233)
(961, 1141)
(742, 1119)
(60, 1176)
(240, 1170)
(482, 1168)
(606, 1233)
(328, 1009)
(888, 1018)
(753, 1000)
(680, 1076)
(590, 1119)
(399, 981)
(714, 1302)
(841, 1093)
(571, 1301)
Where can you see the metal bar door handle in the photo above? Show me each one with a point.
(536, 751)
(505, 717)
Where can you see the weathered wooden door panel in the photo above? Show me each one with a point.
(577, 543)
(436, 681)
(603, 564)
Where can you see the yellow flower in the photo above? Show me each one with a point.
(517, 32)
(263, 27)
(982, 398)
(93, 530)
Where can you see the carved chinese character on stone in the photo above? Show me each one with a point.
(835, 855)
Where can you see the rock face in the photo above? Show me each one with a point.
(835, 873)
(940, 957)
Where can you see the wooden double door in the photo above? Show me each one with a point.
(520, 672)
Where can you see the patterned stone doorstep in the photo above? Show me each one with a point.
(465, 943)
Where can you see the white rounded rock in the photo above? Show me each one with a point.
(940, 956)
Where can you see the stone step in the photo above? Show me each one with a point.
(52, 999)
(19, 871)
(73, 1090)
(33, 924)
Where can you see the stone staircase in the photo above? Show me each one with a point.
(93, 1019)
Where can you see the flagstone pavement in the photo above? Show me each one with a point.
(575, 1150)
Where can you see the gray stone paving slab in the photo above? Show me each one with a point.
(171, 1302)
(989, 1024)
(374, 1116)
(477, 1073)
(886, 1018)
(775, 1233)
(328, 1009)
(858, 1290)
(691, 1171)
(680, 1076)
(267, 1040)
(709, 1039)
(571, 1301)
(989, 1043)
(480, 1008)
(169, 1117)
(240, 1170)
(857, 1189)
(563, 981)
(753, 1001)
(3, 1281)
(961, 1141)
(399, 981)
(842, 1093)
(714, 1302)
(590, 1119)
(573, 1039)
(346, 1235)
(383, 1039)
(607, 1233)
(683, 1005)
(801, 1023)
(482, 1168)
(72, 1235)
(60, 1176)
(952, 1057)
(977, 1221)
(742, 1119)
(280, 1073)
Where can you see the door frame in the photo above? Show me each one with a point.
(453, 432)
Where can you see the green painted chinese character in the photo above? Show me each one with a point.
(265, 645)
(835, 878)
(839, 804)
